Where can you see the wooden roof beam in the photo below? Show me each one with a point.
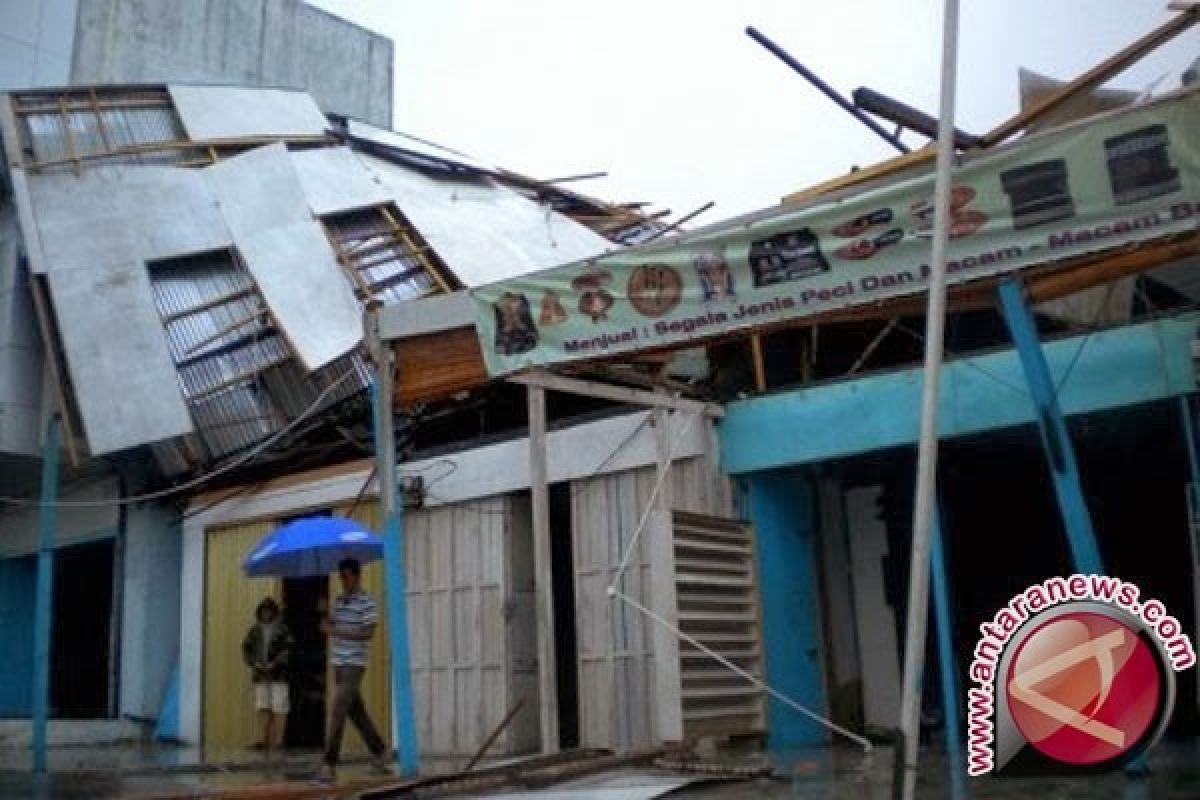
(620, 394)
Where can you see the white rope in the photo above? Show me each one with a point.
(814, 716)
(663, 470)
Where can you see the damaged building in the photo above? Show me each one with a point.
(191, 265)
(185, 273)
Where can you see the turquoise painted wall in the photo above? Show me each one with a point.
(1109, 369)
(18, 579)
(783, 506)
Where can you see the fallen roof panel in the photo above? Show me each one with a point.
(229, 112)
(482, 231)
(286, 251)
(125, 382)
(334, 179)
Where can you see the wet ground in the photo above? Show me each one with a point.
(819, 775)
(848, 775)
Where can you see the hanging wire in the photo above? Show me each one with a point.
(204, 478)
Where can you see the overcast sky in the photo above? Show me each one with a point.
(674, 101)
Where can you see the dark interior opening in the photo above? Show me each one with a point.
(302, 600)
(563, 569)
(1003, 531)
(80, 647)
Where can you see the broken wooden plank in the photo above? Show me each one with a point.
(1094, 77)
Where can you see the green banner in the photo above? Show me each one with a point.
(1126, 177)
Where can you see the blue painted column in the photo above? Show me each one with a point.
(947, 665)
(43, 611)
(403, 724)
(1056, 441)
(783, 507)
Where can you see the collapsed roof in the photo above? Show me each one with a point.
(200, 255)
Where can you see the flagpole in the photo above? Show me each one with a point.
(935, 323)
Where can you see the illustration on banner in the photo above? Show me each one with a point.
(716, 279)
(515, 331)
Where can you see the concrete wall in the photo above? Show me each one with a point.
(20, 345)
(76, 524)
(876, 621)
(36, 38)
(283, 43)
(153, 554)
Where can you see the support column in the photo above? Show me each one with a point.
(403, 725)
(543, 574)
(1056, 441)
(947, 666)
(782, 507)
(43, 612)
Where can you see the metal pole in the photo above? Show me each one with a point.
(1056, 440)
(403, 726)
(924, 506)
(44, 602)
(947, 668)
(825, 88)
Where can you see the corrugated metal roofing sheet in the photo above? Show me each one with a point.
(55, 133)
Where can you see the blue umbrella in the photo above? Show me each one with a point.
(312, 546)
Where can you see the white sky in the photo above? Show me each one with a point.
(674, 101)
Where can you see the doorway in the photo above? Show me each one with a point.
(563, 576)
(81, 647)
(302, 600)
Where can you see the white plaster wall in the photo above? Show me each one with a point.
(875, 619)
(150, 612)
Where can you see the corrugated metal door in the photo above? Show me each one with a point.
(376, 686)
(229, 603)
(230, 600)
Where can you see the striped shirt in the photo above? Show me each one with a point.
(351, 612)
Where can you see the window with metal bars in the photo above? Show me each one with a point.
(383, 256)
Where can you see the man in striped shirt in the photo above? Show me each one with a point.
(350, 629)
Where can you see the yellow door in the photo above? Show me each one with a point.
(229, 603)
(376, 686)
